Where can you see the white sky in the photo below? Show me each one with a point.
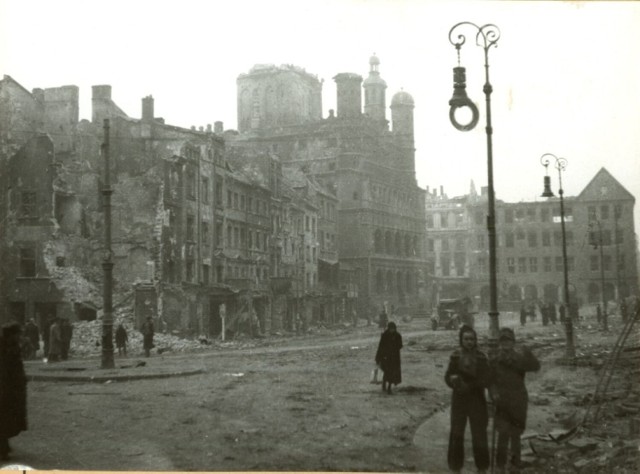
(565, 74)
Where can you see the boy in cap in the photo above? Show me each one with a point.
(509, 395)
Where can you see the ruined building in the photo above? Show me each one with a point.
(191, 229)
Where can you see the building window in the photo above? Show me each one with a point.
(205, 274)
(557, 238)
(508, 216)
(28, 262)
(559, 264)
(482, 265)
(219, 234)
(444, 220)
(509, 239)
(547, 264)
(429, 221)
(545, 215)
(533, 264)
(546, 238)
(250, 204)
(606, 263)
(479, 217)
(591, 212)
(445, 265)
(606, 237)
(621, 262)
(28, 204)
(242, 202)
(604, 211)
(522, 265)
(520, 235)
(229, 236)
(480, 241)
(205, 233)
(531, 215)
(594, 263)
(190, 270)
(571, 264)
(511, 265)
(617, 211)
(229, 199)
(204, 191)
(619, 236)
(430, 245)
(236, 237)
(191, 184)
(569, 236)
(235, 200)
(445, 245)
(191, 232)
(533, 239)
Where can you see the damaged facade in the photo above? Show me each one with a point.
(192, 229)
(378, 248)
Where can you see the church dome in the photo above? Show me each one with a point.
(374, 61)
(402, 98)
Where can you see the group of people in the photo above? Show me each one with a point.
(56, 339)
(470, 374)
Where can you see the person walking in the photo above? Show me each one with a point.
(121, 340)
(468, 375)
(509, 394)
(13, 388)
(388, 357)
(523, 315)
(147, 331)
(32, 333)
(55, 342)
(383, 319)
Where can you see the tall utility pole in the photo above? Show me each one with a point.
(107, 261)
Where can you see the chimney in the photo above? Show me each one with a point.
(147, 108)
(101, 92)
(218, 127)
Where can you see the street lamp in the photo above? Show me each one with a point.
(560, 165)
(486, 37)
(107, 261)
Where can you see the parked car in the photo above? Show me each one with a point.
(452, 313)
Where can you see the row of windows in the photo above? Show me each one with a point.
(396, 243)
(530, 239)
(456, 219)
(239, 201)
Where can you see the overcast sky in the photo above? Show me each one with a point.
(565, 74)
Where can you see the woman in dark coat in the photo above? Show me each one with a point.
(388, 357)
(147, 331)
(509, 394)
(13, 388)
(121, 339)
(468, 375)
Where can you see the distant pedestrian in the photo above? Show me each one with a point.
(388, 357)
(383, 319)
(66, 333)
(509, 395)
(523, 315)
(55, 342)
(32, 332)
(468, 376)
(13, 388)
(553, 313)
(121, 340)
(147, 331)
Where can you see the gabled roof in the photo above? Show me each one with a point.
(604, 186)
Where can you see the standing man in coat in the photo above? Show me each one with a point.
(147, 331)
(510, 396)
(55, 341)
(13, 388)
(66, 332)
(388, 357)
(468, 375)
(32, 333)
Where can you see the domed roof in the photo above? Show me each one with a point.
(402, 98)
(373, 60)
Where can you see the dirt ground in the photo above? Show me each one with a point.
(304, 404)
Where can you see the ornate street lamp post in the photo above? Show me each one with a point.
(560, 164)
(486, 37)
(107, 262)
